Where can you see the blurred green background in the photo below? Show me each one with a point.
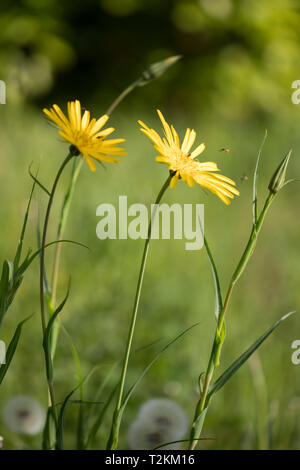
(233, 82)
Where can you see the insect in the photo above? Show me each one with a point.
(224, 150)
(244, 178)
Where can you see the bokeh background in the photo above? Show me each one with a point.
(233, 82)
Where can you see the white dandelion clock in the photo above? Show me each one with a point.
(141, 436)
(24, 415)
(165, 413)
(160, 421)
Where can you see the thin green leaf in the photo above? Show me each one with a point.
(61, 417)
(36, 253)
(81, 418)
(102, 386)
(183, 440)
(39, 244)
(133, 387)
(61, 421)
(20, 244)
(83, 402)
(12, 349)
(221, 381)
(74, 353)
(119, 412)
(254, 200)
(217, 288)
(46, 443)
(36, 181)
(198, 425)
(93, 432)
(95, 427)
(47, 335)
(293, 180)
(216, 281)
(4, 289)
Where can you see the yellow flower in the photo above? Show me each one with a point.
(182, 163)
(85, 134)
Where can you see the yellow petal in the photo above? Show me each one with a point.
(85, 120)
(174, 180)
(90, 163)
(198, 150)
(166, 127)
(98, 124)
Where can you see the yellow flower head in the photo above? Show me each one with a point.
(85, 134)
(182, 162)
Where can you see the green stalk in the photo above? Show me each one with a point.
(62, 224)
(122, 96)
(261, 403)
(48, 358)
(63, 221)
(219, 338)
(60, 232)
(114, 434)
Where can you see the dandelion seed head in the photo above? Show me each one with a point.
(165, 413)
(23, 414)
(159, 421)
(147, 437)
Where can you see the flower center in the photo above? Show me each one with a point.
(23, 414)
(74, 151)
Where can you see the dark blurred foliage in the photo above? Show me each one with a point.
(240, 56)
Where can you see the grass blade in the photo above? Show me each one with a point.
(216, 281)
(81, 420)
(12, 349)
(164, 349)
(96, 426)
(4, 289)
(47, 336)
(133, 387)
(221, 381)
(61, 417)
(254, 199)
(217, 288)
(46, 443)
(20, 244)
(180, 441)
(36, 181)
(36, 253)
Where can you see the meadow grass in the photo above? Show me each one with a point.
(177, 290)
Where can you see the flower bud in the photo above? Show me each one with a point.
(157, 69)
(278, 179)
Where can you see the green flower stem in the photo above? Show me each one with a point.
(219, 338)
(48, 358)
(124, 93)
(63, 220)
(62, 224)
(114, 435)
(60, 232)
